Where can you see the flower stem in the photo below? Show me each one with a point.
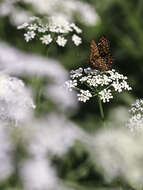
(101, 110)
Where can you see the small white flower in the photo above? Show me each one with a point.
(24, 25)
(76, 28)
(87, 70)
(76, 73)
(29, 35)
(95, 80)
(135, 122)
(33, 27)
(125, 85)
(42, 29)
(76, 39)
(84, 79)
(46, 39)
(61, 41)
(59, 25)
(34, 18)
(117, 86)
(92, 81)
(71, 84)
(105, 80)
(120, 86)
(105, 95)
(84, 95)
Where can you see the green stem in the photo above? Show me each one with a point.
(101, 110)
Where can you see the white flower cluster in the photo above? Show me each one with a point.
(51, 29)
(84, 95)
(6, 153)
(91, 83)
(120, 157)
(16, 103)
(135, 122)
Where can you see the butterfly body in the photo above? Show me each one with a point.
(100, 57)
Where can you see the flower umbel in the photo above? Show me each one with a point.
(91, 83)
(51, 29)
(84, 95)
(16, 103)
(105, 95)
(135, 122)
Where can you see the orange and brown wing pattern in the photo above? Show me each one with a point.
(99, 63)
(100, 57)
(109, 61)
(94, 52)
(103, 46)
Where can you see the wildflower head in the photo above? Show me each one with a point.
(16, 103)
(99, 80)
(121, 155)
(135, 122)
(91, 83)
(51, 29)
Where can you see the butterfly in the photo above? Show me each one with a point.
(100, 57)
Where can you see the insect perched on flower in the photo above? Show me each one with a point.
(100, 57)
(100, 80)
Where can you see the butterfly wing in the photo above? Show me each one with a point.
(100, 57)
(94, 53)
(109, 61)
(103, 46)
(99, 63)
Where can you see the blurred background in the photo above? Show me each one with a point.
(68, 159)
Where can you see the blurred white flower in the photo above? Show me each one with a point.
(64, 99)
(19, 63)
(37, 173)
(117, 153)
(55, 135)
(24, 25)
(97, 83)
(91, 18)
(71, 84)
(6, 153)
(15, 100)
(59, 25)
(15, 62)
(135, 122)
(118, 115)
(68, 9)
(17, 14)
